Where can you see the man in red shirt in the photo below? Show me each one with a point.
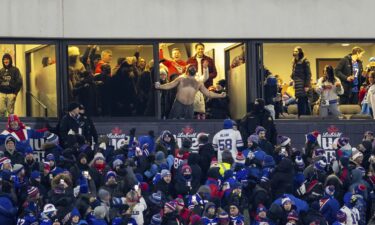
(198, 59)
(175, 66)
(106, 59)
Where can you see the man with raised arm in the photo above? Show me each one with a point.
(187, 87)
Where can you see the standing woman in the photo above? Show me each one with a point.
(301, 74)
(370, 97)
(329, 87)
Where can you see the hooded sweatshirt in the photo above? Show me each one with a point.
(10, 77)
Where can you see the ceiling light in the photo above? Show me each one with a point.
(345, 44)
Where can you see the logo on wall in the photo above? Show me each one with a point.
(36, 145)
(117, 138)
(188, 132)
(326, 140)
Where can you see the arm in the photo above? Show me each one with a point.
(308, 74)
(339, 88)
(18, 81)
(210, 94)
(170, 85)
(339, 68)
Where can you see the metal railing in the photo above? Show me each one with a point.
(40, 103)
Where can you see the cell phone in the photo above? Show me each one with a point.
(136, 187)
(62, 181)
(86, 174)
(188, 184)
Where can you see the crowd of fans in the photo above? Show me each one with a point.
(242, 177)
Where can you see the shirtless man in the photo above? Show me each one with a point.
(187, 87)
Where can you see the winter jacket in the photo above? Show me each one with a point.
(212, 73)
(329, 94)
(8, 210)
(301, 76)
(329, 207)
(282, 178)
(10, 78)
(344, 69)
(206, 153)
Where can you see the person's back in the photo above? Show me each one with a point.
(227, 139)
(187, 89)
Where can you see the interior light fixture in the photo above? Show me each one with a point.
(345, 44)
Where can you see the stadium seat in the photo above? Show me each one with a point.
(349, 110)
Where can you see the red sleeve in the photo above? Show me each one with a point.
(42, 130)
(161, 54)
(98, 68)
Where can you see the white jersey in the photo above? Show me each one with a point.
(227, 139)
(352, 215)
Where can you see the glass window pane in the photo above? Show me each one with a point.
(28, 87)
(112, 80)
(175, 61)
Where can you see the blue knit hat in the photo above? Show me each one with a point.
(110, 174)
(259, 129)
(156, 219)
(35, 174)
(74, 213)
(261, 208)
(320, 165)
(312, 137)
(28, 150)
(253, 138)
(155, 198)
(330, 190)
(299, 162)
(50, 157)
(283, 141)
(228, 124)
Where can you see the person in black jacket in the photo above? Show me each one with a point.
(301, 74)
(10, 85)
(349, 71)
(206, 152)
(218, 108)
(258, 116)
(88, 127)
(70, 124)
(282, 179)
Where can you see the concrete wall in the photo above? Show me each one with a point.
(187, 19)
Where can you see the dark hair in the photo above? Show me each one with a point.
(45, 61)
(357, 50)
(301, 54)
(330, 74)
(200, 43)
(371, 74)
(120, 60)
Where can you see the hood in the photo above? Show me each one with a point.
(356, 175)
(13, 117)
(7, 55)
(208, 205)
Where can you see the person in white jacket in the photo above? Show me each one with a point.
(329, 87)
(370, 96)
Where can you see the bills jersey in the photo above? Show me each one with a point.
(227, 139)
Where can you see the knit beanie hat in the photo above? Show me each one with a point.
(32, 191)
(283, 141)
(357, 154)
(330, 190)
(156, 219)
(117, 162)
(102, 194)
(4, 160)
(159, 157)
(360, 189)
(341, 216)
(110, 174)
(342, 141)
(259, 129)
(253, 138)
(312, 137)
(180, 201)
(320, 165)
(240, 158)
(155, 198)
(35, 174)
(319, 152)
(285, 200)
(228, 124)
(293, 216)
(223, 216)
(171, 205)
(204, 189)
(28, 150)
(50, 157)
(299, 162)
(51, 138)
(186, 169)
(261, 208)
(165, 173)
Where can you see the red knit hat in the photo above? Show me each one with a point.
(47, 166)
(214, 161)
(240, 158)
(32, 191)
(4, 160)
(186, 169)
